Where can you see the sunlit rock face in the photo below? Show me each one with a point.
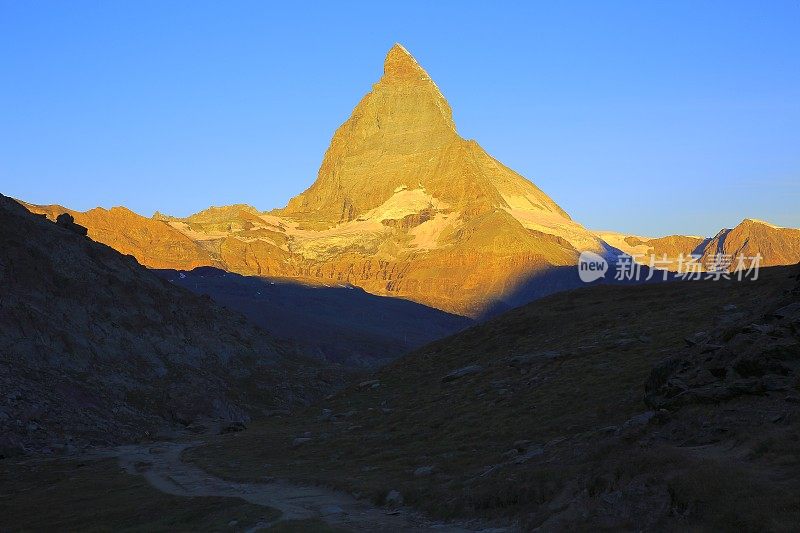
(750, 238)
(776, 245)
(151, 241)
(400, 140)
(402, 206)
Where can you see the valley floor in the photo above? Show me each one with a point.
(535, 420)
(149, 487)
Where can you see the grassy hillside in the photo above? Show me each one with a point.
(339, 323)
(533, 416)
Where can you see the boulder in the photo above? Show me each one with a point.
(331, 510)
(232, 427)
(696, 338)
(67, 221)
(759, 328)
(530, 453)
(639, 420)
(394, 499)
(461, 372)
(531, 358)
(423, 471)
(791, 310)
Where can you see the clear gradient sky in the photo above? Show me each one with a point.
(644, 117)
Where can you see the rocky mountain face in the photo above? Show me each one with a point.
(671, 246)
(776, 245)
(402, 206)
(97, 349)
(399, 155)
(151, 241)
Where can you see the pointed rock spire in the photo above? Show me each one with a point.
(401, 65)
(400, 136)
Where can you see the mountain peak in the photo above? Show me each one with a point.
(400, 152)
(401, 65)
(757, 221)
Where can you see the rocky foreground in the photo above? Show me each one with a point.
(96, 349)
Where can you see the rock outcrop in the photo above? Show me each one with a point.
(65, 220)
(758, 355)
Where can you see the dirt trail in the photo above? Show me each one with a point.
(161, 465)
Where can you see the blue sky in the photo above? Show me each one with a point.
(645, 117)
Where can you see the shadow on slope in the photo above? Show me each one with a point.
(554, 280)
(96, 349)
(342, 324)
(537, 417)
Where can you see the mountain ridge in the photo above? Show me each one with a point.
(402, 206)
(99, 350)
(776, 245)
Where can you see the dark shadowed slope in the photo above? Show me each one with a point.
(96, 348)
(538, 416)
(342, 324)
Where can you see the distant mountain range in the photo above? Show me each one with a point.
(403, 206)
(776, 245)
